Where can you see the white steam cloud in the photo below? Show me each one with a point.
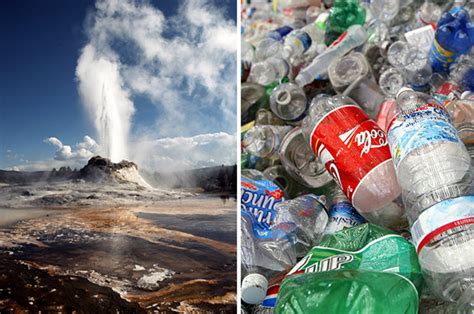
(106, 100)
(185, 65)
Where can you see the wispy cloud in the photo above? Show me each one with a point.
(178, 153)
(184, 64)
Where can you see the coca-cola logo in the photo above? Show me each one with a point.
(370, 139)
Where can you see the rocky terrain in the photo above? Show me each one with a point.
(101, 239)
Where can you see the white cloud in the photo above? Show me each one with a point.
(172, 154)
(83, 151)
(170, 60)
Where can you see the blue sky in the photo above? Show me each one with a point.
(47, 103)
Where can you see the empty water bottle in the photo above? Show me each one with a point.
(317, 69)
(269, 71)
(425, 146)
(264, 140)
(300, 162)
(288, 101)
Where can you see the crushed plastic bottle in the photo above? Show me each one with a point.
(355, 152)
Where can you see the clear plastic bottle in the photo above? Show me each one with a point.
(412, 63)
(425, 146)
(428, 13)
(461, 112)
(352, 76)
(433, 168)
(247, 51)
(355, 152)
(269, 71)
(271, 44)
(264, 140)
(391, 81)
(384, 10)
(300, 162)
(342, 214)
(288, 101)
(298, 226)
(355, 36)
(301, 40)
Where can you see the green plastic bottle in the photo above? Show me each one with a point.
(343, 14)
(364, 269)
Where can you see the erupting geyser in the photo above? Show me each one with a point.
(106, 100)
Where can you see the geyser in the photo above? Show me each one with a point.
(106, 100)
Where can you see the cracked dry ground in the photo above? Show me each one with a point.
(94, 260)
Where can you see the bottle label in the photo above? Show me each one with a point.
(440, 58)
(443, 92)
(428, 124)
(302, 39)
(258, 200)
(398, 256)
(341, 216)
(350, 145)
(445, 217)
(280, 32)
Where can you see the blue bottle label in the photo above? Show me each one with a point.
(427, 124)
(341, 216)
(258, 200)
(280, 32)
(305, 40)
(440, 58)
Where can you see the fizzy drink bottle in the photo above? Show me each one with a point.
(355, 152)
(452, 38)
(343, 14)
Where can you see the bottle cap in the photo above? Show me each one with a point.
(466, 95)
(254, 288)
(404, 89)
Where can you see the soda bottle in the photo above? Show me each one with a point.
(355, 152)
(288, 101)
(451, 39)
(342, 214)
(300, 162)
(269, 71)
(426, 149)
(264, 140)
(343, 14)
(355, 36)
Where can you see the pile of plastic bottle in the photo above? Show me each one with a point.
(357, 151)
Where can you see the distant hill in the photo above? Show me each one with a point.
(210, 179)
